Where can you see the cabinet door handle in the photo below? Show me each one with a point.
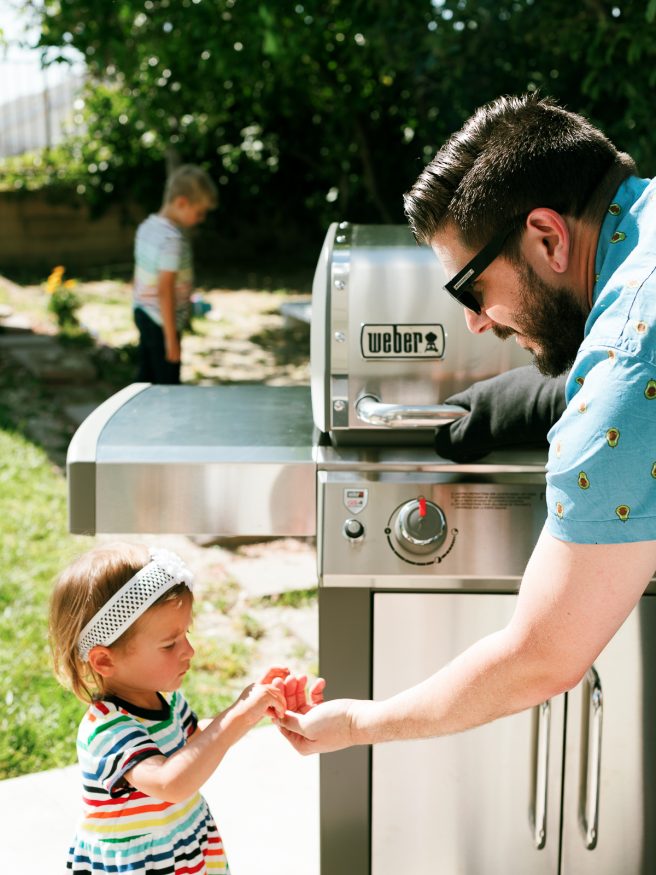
(591, 726)
(538, 809)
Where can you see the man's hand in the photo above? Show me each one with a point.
(323, 728)
(312, 725)
(516, 407)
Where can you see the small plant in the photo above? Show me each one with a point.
(291, 598)
(63, 301)
(251, 627)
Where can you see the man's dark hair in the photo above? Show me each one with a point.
(511, 156)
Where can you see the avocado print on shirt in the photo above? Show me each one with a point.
(601, 477)
(613, 436)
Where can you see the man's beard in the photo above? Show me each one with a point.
(551, 320)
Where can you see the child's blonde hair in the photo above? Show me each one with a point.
(80, 591)
(192, 182)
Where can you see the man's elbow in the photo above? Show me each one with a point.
(549, 671)
(558, 681)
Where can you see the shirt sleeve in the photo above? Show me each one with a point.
(186, 716)
(115, 745)
(170, 252)
(601, 474)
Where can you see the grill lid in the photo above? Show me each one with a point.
(385, 332)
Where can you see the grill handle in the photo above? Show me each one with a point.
(591, 766)
(538, 809)
(373, 411)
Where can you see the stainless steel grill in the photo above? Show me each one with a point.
(418, 557)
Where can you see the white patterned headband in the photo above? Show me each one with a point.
(164, 571)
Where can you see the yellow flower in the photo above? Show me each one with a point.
(70, 284)
(55, 278)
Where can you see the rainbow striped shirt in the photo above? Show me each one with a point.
(122, 829)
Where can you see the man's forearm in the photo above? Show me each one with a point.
(572, 600)
(491, 679)
(551, 641)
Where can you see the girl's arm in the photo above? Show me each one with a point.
(179, 776)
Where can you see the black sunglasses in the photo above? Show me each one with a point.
(460, 286)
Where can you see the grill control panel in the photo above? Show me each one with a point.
(392, 529)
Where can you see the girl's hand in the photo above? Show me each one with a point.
(296, 693)
(263, 699)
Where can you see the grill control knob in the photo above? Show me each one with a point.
(420, 526)
(353, 530)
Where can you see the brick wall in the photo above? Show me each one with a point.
(38, 231)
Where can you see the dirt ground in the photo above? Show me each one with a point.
(261, 594)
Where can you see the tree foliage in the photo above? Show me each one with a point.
(327, 109)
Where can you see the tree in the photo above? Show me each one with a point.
(328, 109)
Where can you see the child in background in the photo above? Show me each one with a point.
(119, 618)
(163, 272)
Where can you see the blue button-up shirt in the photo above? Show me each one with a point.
(601, 475)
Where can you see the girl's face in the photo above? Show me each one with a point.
(157, 655)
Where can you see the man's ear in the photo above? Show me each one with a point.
(547, 239)
(101, 660)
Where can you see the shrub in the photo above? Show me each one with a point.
(63, 301)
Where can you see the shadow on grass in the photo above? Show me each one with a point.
(289, 343)
(36, 408)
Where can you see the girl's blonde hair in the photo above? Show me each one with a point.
(80, 591)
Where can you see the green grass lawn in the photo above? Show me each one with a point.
(38, 718)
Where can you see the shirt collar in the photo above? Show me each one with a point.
(618, 233)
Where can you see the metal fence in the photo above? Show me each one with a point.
(37, 106)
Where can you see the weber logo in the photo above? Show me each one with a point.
(402, 341)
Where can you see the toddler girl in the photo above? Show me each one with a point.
(119, 618)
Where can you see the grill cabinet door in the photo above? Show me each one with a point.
(611, 742)
(471, 804)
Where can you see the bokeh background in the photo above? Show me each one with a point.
(307, 113)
